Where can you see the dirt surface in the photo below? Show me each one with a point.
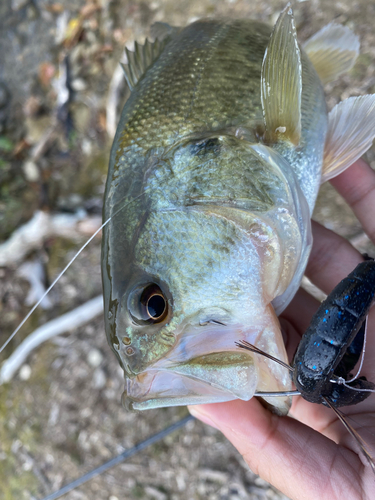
(59, 101)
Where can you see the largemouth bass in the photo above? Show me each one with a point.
(213, 177)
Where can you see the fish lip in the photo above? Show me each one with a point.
(175, 387)
(203, 394)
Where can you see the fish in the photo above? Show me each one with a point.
(130, 425)
(213, 176)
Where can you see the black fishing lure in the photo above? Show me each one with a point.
(332, 345)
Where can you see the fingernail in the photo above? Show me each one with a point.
(203, 417)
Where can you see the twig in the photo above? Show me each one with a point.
(115, 86)
(64, 323)
(41, 226)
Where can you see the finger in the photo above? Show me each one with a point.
(276, 449)
(296, 319)
(357, 186)
(332, 258)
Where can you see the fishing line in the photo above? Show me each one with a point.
(359, 424)
(119, 458)
(362, 355)
(275, 394)
(342, 381)
(339, 380)
(12, 335)
(51, 286)
(357, 437)
(250, 347)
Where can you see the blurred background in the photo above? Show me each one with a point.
(61, 92)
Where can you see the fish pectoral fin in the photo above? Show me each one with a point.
(281, 82)
(333, 51)
(141, 59)
(351, 130)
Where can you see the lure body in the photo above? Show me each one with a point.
(321, 354)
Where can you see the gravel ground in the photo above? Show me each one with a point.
(62, 414)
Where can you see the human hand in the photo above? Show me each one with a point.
(312, 455)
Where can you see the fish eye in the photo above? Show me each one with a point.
(154, 302)
(148, 304)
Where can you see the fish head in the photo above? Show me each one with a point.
(200, 277)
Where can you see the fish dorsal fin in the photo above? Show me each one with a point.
(141, 59)
(351, 130)
(333, 51)
(162, 30)
(281, 82)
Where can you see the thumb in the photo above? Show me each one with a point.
(294, 458)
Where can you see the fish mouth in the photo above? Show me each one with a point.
(207, 367)
(212, 378)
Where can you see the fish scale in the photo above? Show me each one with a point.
(204, 92)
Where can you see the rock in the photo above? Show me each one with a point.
(31, 171)
(94, 358)
(25, 372)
